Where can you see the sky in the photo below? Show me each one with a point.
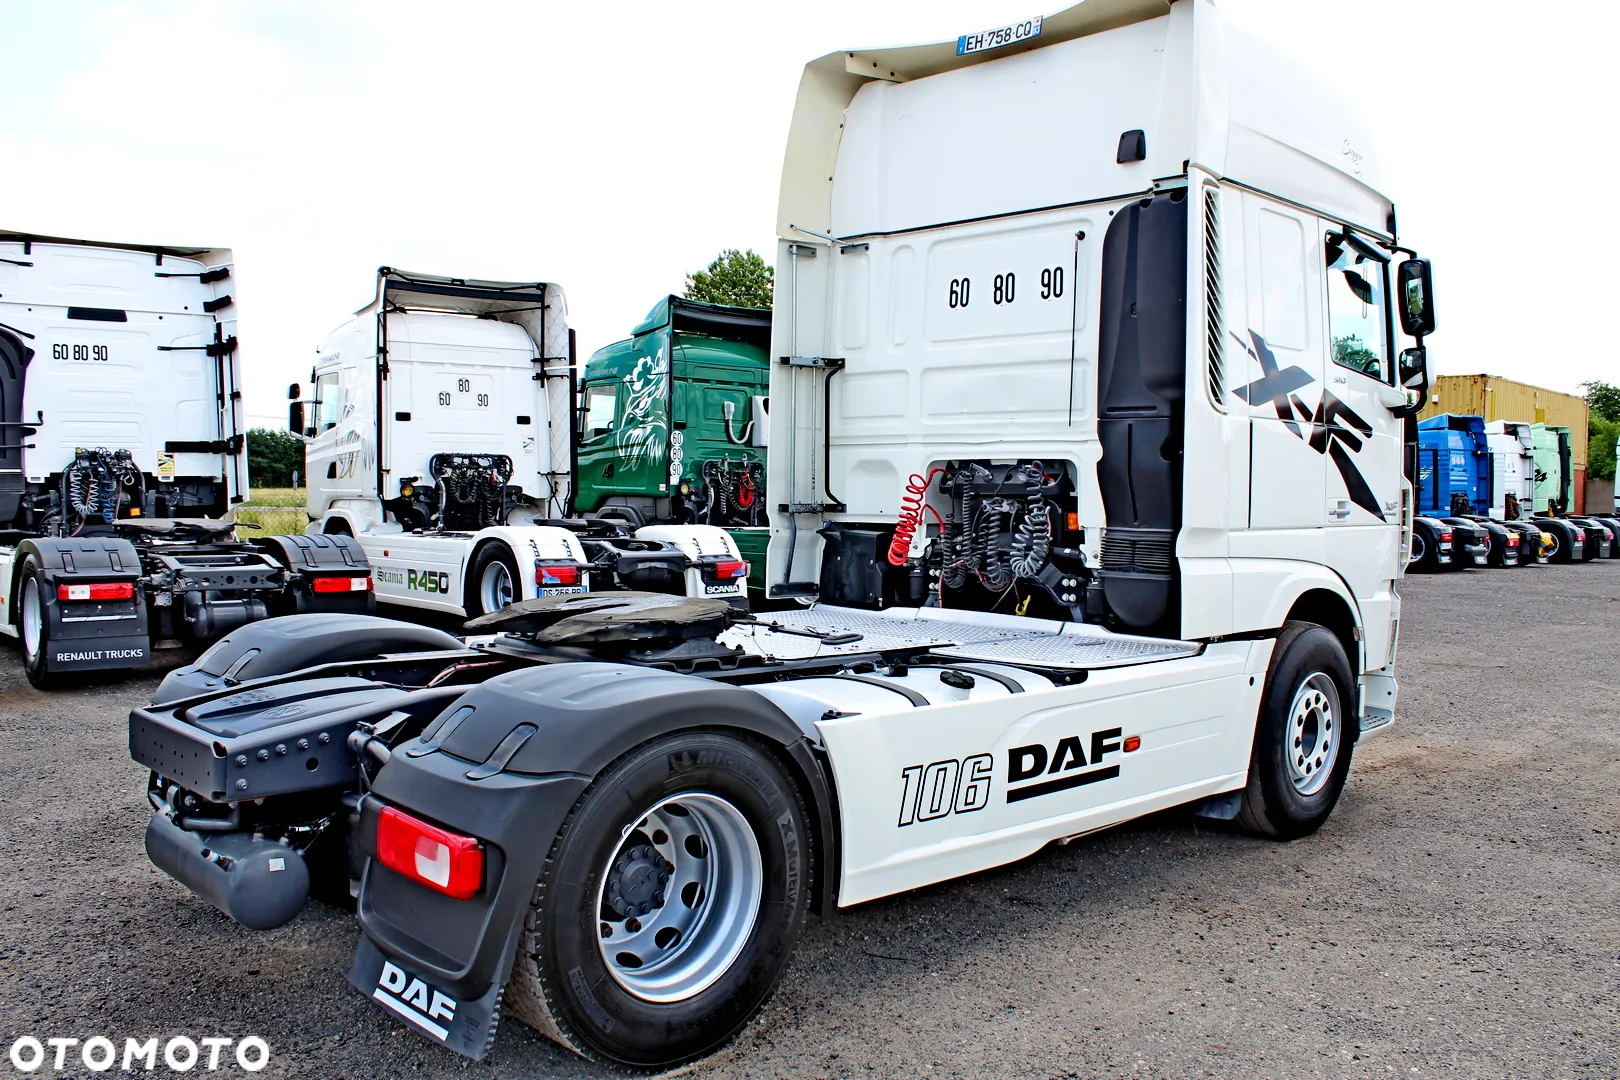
(614, 149)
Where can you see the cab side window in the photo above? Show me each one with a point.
(1357, 319)
(328, 401)
(601, 410)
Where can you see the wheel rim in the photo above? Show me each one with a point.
(1420, 548)
(1314, 732)
(679, 897)
(1550, 544)
(33, 619)
(495, 587)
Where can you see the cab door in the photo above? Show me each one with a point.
(1279, 377)
(1360, 438)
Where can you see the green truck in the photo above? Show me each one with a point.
(1554, 469)
(673, 423)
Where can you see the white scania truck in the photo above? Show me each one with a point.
(1093, 366)
(440, 435)
(121, 457)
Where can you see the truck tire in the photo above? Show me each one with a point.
(34, 626)
(1303, 737)
(669, 904)
(1425, 556)
(494, 577)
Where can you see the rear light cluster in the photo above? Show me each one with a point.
(444, 861)
(1512, 539)
(555, 575)
(111, 590)
(334, 584)
(1445, 538)
(730, 569)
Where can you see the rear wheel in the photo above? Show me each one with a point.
(494, 580)
(34, 628)
(671, 901)
(1304, 735)
(1424, 556)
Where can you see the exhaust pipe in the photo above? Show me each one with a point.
(260, 883)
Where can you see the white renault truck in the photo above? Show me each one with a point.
(122, 456)
(440, 434)
(1094, 359)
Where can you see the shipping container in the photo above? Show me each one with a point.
(1495, 398)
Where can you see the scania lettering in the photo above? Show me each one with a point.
(1051, 563)
(122, 457)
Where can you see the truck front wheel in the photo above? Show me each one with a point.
(669, 905)
(1304, 735)
(34, 626)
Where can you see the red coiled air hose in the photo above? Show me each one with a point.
(912, 505)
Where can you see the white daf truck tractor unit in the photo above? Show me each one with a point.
(121, 457)
(1094, 360)
(440, 434)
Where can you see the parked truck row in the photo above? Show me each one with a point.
(1478, 489)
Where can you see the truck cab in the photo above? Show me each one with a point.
(673, 423)
(122, 458)
(440, 434)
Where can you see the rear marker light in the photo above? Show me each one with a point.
(732, 568)
(545, 576)
(343, 584)
(444, 861)
(116, 590)
(1132, 742)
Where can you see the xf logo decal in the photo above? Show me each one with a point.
(1329, 429)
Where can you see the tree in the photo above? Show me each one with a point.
(273, 456)
(1602, 400)
(738, 278)
(1600, 437)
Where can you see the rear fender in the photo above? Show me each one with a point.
(556, 728)
(94, 636)
(529, 544)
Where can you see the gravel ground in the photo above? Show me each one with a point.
(1458, 916)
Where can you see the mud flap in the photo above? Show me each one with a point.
(467, 1027)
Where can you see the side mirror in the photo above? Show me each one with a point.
(1415, 292)
(760, 436)
(1412, 371)
(293, 392)
(295, 416)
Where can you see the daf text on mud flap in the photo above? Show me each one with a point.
(415, 1000)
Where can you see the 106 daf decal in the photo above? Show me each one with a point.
(952, 786)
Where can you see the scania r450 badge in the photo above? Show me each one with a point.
(1090, 467)
(441, 436)
(121, 457)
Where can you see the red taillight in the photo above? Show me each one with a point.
(1445, 537)
(1513, 540)
(111, 590)
(548, 576)
(445, 861)
(342, 584)
(731, 568)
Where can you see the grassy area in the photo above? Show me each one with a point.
(277, 496)
(277, 512)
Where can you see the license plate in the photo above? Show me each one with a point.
(1001, 35)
